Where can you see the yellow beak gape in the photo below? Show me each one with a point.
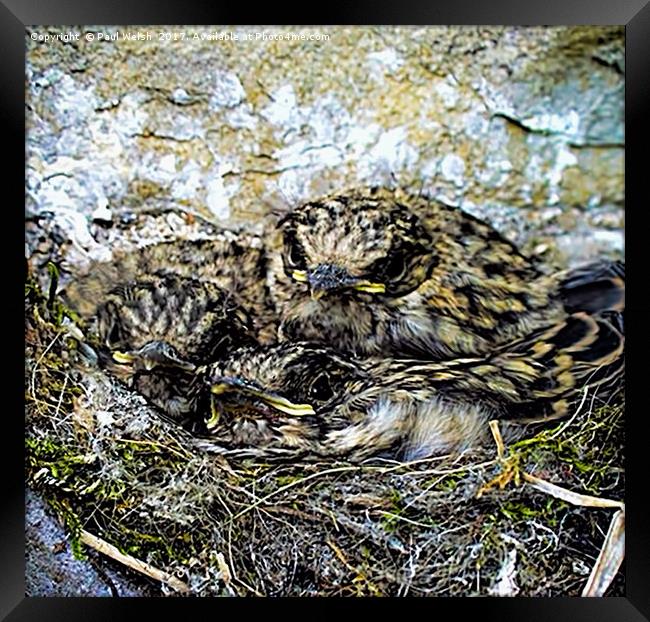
(300, 276)
(279, 403)
(214, 415)
(122, 357)
(370, 288)
(218, 389)
(285, 406)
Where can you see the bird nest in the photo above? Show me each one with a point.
(531, 518)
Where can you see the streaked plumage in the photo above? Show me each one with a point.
(234, 261)
(374, 272)
(154, 331)
(304, 397)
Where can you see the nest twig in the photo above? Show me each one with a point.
(226, 522)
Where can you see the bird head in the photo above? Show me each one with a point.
(169, 321)
(281, 395)
(153, 355)
(357, 243)
(304, 397)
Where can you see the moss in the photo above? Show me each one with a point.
(588, 459)
(159, 498)
(48, 307)
(84, 498)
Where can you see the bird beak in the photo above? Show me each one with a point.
(215, 415)
(151, 362)
(284, 405)
(329, 277)
(278, 402)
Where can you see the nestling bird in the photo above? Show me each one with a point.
(234, 261)
(154, 331)
(374, 271)
(300, 397)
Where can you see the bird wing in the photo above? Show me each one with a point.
(552, 368)
(594, 287)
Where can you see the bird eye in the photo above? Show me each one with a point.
(295, 256)
(394, 268)
(321, 389)
(114, 336)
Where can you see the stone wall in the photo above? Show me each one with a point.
(521, 125)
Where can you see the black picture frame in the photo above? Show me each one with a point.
(634, 14)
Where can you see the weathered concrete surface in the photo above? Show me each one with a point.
(521, 125)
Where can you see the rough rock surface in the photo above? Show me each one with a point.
(52, 570)
(521, 125)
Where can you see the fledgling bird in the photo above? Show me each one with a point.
(154, 331)
(375, 271)
(300, 397)
(234, 261)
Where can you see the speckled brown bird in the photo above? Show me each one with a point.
(234, 261)
(299, 397)
(155, 330)
(374, 271)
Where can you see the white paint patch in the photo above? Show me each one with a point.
(182, 127)
(283, 109)
(359, 139)
(391, 153)
(384, 62)
(526, 193)
(73, 104)
(295, 186)
(475, 124)
(228, 91)
(130, 118)
(613, 239)
(447, 93)
(563, 159)
(161, 170)
(102, 211)
(533, 170)
(180, 96)
(304, 153)
(329, 120)
(430, 168)
(218, 194)
(242, 117)
(186, 185)
(63, 165)
(57, 193)
(167, 164)
(568, 123)
(594, 200)
(452, 169)
(495, 173)
(566, 158)
(106, 140)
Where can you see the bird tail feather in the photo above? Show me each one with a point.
(583, 355)
(594, 287)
